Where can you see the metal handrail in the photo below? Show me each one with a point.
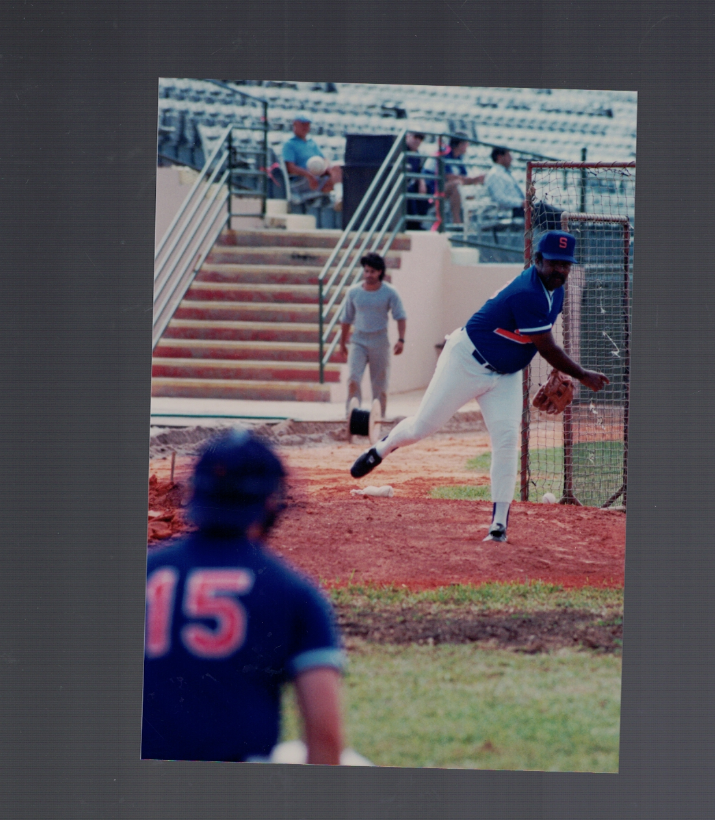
(186, 275)
(373, 185)
(378, 219)
(193, 190)
(398, 204)
(377, 190)
(194, 230)
(384, 187)
(161, 268)
(362, 228)
(194, 249)
(191, 235)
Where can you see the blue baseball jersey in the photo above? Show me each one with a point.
(299, 151)
(227, 624)
(500, 329)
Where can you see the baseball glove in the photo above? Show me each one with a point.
(555, 395)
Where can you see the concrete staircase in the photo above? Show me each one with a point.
(248, 326)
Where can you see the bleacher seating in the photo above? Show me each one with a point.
(555, 123)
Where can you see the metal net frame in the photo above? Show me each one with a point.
(581, 456)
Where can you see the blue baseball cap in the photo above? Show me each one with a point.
(558, 245)
(234, 477)
(302, 118)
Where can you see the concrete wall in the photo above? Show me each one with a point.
(173, 185)
(171, 191)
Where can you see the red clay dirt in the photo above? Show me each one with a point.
(411, 539)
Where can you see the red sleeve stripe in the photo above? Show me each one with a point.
(513, 336)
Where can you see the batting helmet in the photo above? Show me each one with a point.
(233, 479)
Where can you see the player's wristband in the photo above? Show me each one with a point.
(401, 340)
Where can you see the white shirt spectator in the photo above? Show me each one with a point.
(503, 188)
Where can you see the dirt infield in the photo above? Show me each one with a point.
(409, 539)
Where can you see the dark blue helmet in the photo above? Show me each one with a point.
(233, 479)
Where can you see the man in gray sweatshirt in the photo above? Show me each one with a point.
(367, 306)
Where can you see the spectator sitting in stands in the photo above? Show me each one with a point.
(506, 193)
(415, 207)
(296, 153)
(455, 174)
(501, 185)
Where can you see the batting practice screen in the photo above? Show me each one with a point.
(581, 456)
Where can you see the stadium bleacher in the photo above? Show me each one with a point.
(554, 123)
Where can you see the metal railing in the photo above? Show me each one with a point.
(191, 235)
(175, 147)
(232, 170)
(249, 163)
(382, 209)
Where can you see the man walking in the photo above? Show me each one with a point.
(367, 306)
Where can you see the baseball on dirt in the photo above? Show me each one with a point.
(548, 498)
(316, 165)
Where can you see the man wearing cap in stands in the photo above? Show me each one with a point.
(296, 153)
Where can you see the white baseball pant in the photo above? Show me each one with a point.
(457, 379)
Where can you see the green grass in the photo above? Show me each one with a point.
(482, 462)
(463, 492)
(468, 492)
(462, 707)
(458, 706)
(597, 474)
(597, 471)
(484, 597)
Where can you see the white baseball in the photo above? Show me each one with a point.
(316, 165)
(548, 498)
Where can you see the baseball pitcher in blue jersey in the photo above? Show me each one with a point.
(228, 624)
(484, 360)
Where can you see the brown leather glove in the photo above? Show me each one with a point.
(555, 395)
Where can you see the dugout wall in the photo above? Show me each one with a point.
(582, 456)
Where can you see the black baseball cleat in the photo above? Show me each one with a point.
(497, 532)
(366, 463)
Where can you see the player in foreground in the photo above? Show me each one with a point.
(483, 361)
(228, 624)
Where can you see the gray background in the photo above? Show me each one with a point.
(77, 167)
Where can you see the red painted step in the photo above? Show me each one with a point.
(248, 390)
(248, 312)
(313, 239)
(248, 326)
(174, 368)
(267, 274)
(300, 257)
(237, 350)
(277, 294)
(242, 331)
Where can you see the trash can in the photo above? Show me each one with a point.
(364, 154)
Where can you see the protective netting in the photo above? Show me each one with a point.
(581, 455)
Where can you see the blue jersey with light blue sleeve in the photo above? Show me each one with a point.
(227, 625)
(521, 308)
